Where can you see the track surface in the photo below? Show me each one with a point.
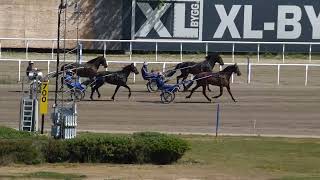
(284, 110)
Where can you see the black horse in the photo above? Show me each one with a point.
(118, 78)
(194, 68)
(221, 79)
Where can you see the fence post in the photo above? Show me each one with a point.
(130, 51)
(310, 53)
(306, 80)
(217, 120)
(0, 50)
(156, 51)
(207, 49)
(278, 80)
(19, 71)
(233, 46)
(104, 49)
(48, 66)
(181, 49)
(258, 53)
(248, 71)
(52, 50)
(27, 49)
(134, 75)
(283, 50)
(164, 67)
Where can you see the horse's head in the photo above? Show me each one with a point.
(103, 61)
(237, 70)
(215, 58)
(98, 61)
(131, 68)
(134, 69)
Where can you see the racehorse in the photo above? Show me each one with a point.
(118, 78)
(221, 79)
(194, 68)
(88, 69)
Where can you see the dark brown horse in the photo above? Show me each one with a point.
(88, 69)
(194, 68)
(118, 78)
(221, 79)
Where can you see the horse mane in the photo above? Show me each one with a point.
(94, 60)
(228, 68)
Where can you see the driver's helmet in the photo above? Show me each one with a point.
(31, 62)
(69, 73)
(145, 64)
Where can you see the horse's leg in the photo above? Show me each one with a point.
(193, 89)
(228, 88)
(182, 75)
(184, 86)
(204, 87)
(115, 92)
(128, 89)
(209, 88)
(92, 91)
(221, 92)
(99, 95)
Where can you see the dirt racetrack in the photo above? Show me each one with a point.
(280, 110)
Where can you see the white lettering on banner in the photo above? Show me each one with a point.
(227, 21)
(195, 13)
(247, 25)
(179, 29)
(284, 22)
(314, 20)
(153, 20)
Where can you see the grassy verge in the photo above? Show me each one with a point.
(281, 158)
(44, 175)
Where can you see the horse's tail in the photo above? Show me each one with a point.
(87, 82)
(173, 71)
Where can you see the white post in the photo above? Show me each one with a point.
(52, 50)
(233, 47)
(232, 78)
(306, 80)
(48, 66)
(104, 49)
(156, 51)
(283, 50)
(249, 74)
(27, 48)
(207, 49)
(278, 80)
(181, 49)
(0, 50)
(164, 67)
(107, 66)
(134, 75)
(19, 71)
(130, 51)
(310, 53)
(258, 53)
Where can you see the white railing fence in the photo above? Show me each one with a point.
(165, 64)
(156, 42)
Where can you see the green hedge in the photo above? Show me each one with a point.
(144, 147)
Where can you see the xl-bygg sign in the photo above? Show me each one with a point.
(247, 20)
(179, 19)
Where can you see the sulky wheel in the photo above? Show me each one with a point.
(152, 85)
(77, 95)
(167, 97)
